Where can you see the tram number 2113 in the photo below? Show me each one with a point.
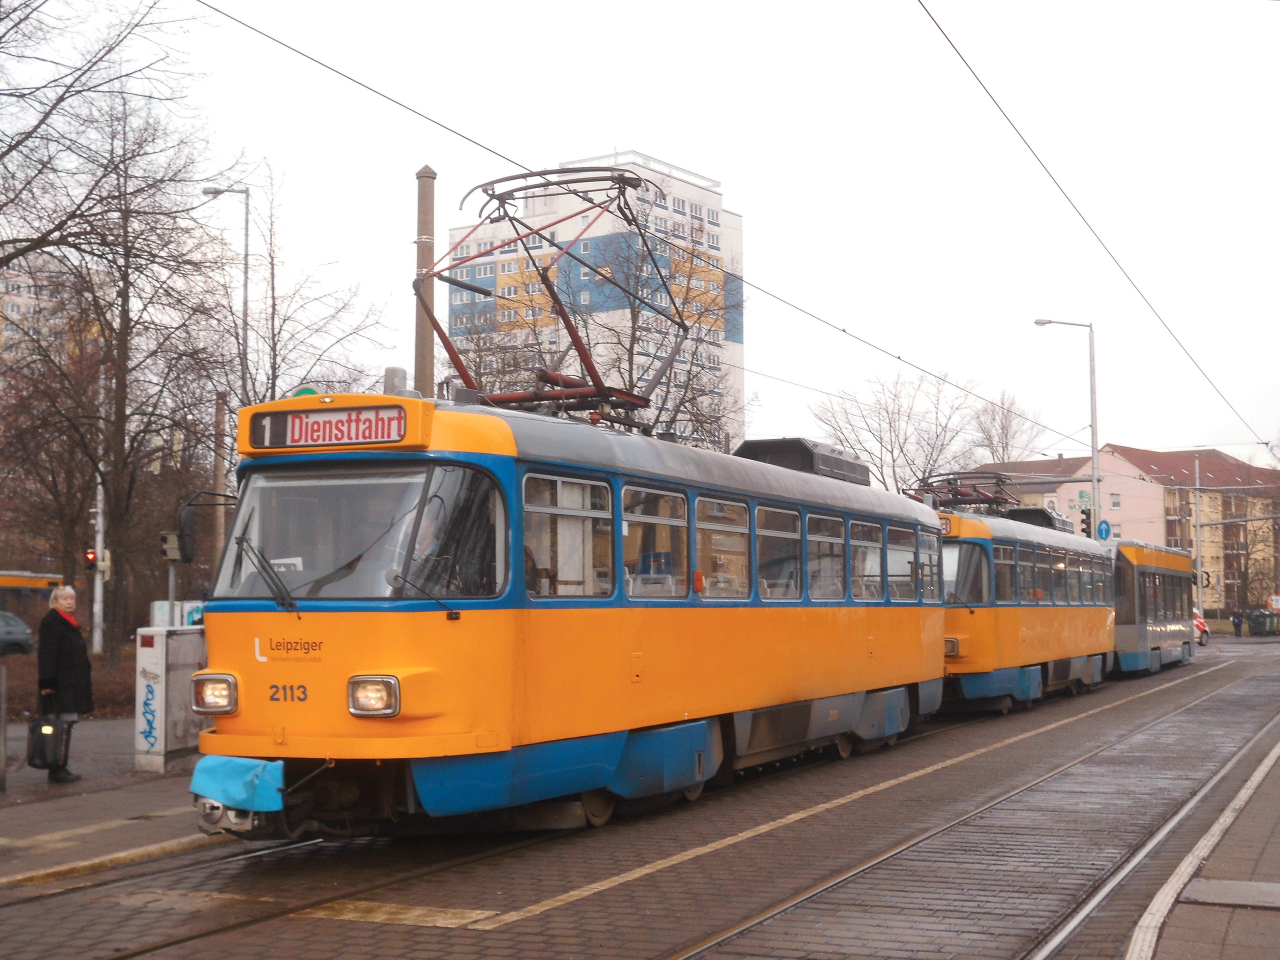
(288, 692)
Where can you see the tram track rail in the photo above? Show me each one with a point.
(1055, 938)
(275, 911)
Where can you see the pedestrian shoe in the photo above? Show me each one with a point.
(63, 776)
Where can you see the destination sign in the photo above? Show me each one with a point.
(342, 427)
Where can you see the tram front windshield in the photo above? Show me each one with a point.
(436, 531)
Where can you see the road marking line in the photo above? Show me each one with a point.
(45, 839)
(1147, 932)
(565, 898)
(197, 841)
(372, 912)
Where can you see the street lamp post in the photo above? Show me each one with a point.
(1095, 507)
(244, 302)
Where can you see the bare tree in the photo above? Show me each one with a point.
(62, 70)
(299, 330)
(143, 294)
(1005, 430)
(905, 429)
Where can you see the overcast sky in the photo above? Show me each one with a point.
(880, 188)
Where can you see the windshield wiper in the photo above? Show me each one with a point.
(279, 592)
(394, 578)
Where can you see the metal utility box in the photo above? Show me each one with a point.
(165, 728)
(807, 456)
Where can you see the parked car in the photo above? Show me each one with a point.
(15, 636)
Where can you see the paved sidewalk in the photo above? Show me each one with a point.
(101, 752)
(1231, 909)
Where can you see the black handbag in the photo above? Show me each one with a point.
(47, 742)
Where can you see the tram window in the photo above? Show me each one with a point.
(930, 567)
(965, 575)
(868, 576)
(1059, 594)
(568, 537)
(1027, 592)
(1086, 579)
(1108, 584)
(369, 532)
(1006, 574)
(1073, 578)
(777, 554)
(655, 543)
(724, 548)
(825, 548)
(1044, 592)
(1099, 582)
(903, 583)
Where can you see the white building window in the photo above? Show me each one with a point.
(509, 248)
(461, 296)
(713, 217)
(660, 224)
(713, 241)
(699, 284)
(462, 274)
(715, 287)
(584, 273)
(695, 210)
(482, 247)
(532, 313)
(662, 299)
(533, 264)
(680, 254)
(509, 316)
(532, 289)
(484, 296)
(715, 262)
(586, 246)
(1115, 532)
(584, 296)
(677, 204)
(677, 229)
(462, 251)
(509, 266)
(484, 270)
(679, 279)
(660, 199)
(1115, 502)
(511, 291)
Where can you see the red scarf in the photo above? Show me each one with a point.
(69, 618)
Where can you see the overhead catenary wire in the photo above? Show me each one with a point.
(1085, 220)
(418, 113)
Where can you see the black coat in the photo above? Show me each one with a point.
(63, 659)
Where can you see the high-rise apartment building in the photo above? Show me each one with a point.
(692, 269)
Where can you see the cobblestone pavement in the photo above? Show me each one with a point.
(988, 887)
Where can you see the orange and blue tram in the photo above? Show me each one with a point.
(427, 609)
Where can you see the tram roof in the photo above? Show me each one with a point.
(1002, 528)
(553, 439)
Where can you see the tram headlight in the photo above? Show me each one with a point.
(373, 696)
(951, 647)
(213, 693)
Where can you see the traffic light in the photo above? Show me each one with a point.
(91, 560)
(1086, 522)
(105, 563)
(1206, 578)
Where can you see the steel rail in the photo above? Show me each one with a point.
(782, 906)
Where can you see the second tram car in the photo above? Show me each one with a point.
(1153, 602)
(1028, 609)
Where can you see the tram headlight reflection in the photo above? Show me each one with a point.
(373, 696)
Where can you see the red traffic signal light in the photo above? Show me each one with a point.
(91, 559)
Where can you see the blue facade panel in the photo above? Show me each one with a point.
(732, 308)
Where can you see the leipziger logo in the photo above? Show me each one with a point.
(288, 649)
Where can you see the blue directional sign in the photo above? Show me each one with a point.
(1104, 530)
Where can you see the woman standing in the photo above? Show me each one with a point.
(66, 686)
